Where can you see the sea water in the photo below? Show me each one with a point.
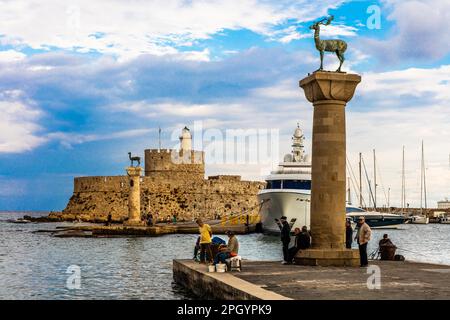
(39, 266)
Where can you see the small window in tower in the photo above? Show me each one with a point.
(131, 183)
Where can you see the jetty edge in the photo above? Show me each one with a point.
(222, 286)
(269, 280)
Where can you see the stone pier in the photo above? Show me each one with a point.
(329, 93)
(134, 197)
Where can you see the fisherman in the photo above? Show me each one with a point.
(228, 251)
(348, 234)
(205, 240)
(363, 238)
(386, 248)
(285, 237)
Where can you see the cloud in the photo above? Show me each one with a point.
(11, 56)
(419, 33)
(19, 128)
(128, 29)
(69, 139)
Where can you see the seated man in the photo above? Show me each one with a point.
(302, 242)
(230, 250)
(387, 248)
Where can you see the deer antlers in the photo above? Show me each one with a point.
(328, 21)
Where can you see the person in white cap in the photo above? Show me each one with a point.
(363, 238)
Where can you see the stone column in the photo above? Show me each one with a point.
(329, 93)
(134, 197)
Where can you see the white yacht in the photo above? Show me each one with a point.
(420, 220)
(288, 193)
(288, 189)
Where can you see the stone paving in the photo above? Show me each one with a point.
(399, 280)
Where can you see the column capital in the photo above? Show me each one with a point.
(133, 171)
(338, 86)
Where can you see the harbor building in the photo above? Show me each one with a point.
(444, 204)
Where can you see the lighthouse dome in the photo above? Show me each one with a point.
(298, 133)
(186, 133)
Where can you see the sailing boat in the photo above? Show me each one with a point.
(373, 218)
(422, 218)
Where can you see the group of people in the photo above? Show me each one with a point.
(303, 239)
(204, 244)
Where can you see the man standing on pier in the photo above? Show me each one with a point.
(363, 238)
(205, 241)
(285, 229)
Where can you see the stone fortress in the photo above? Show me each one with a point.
(174, 184)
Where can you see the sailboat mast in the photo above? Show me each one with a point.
(424, 177)
(360, 181)
(421, 181)
(403, 180)
(374, 181)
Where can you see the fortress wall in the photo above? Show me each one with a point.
(173, 184)
(101, 184)
(95, 197)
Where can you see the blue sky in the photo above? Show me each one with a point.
(83, 84)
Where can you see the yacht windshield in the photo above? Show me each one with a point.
(289, 184)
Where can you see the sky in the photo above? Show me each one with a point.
(82, 84)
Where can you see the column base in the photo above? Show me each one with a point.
(134, 223)
(328, 257)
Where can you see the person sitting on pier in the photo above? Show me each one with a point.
(230, 250)
(285, 229)
(302, 242)
(205, 241)
(386, 248)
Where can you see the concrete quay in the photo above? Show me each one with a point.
(269, 280)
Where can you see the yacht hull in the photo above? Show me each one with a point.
(289, 203)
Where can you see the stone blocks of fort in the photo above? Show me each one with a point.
(174, 184)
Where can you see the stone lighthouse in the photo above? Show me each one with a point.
(185, 139)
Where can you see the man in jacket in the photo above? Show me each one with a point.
(363, 238)
(285, 237)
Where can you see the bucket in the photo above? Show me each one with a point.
(211, 268)
(221, 267)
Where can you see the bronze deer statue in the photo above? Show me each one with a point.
(132, 159)
(337, 46)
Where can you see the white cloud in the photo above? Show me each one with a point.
(19, 128)
(338, 30)
(11, 56)
(68, 139)
(420, 31)
(134, 27)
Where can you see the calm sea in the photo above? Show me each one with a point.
(34, 265)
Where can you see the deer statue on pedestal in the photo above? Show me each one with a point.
(132, 159)
(337, 46)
